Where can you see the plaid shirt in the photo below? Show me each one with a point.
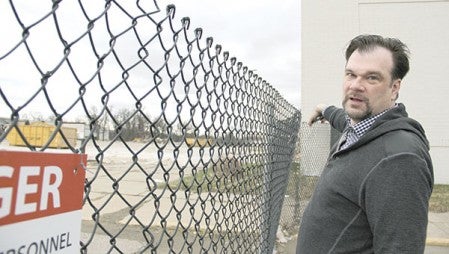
(354, 132)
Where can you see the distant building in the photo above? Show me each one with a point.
(82, 129)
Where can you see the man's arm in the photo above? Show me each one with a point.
(317, 114)
(396, 200)
(335, 116)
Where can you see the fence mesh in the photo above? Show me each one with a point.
(188, 150)
(311, 154)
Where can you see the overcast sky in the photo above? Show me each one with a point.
(262, 34)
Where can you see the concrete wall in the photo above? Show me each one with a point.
(327, 27)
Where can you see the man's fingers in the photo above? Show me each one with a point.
(316, 117)
(317, 114)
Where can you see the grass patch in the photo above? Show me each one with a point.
(202, 180)
(223, 178)
(439, 201)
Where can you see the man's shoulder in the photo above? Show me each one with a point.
(404, 141)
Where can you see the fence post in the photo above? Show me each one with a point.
(267, 223)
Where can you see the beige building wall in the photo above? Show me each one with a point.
(328, 25)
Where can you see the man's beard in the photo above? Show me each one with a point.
(358, 115)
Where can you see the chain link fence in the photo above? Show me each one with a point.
(313, 148)
(188, 150)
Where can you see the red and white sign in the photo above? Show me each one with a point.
(41, 196)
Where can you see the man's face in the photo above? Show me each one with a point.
(368, 88)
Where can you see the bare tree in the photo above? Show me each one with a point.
(99, 122)
(33, 117)
(131, 124)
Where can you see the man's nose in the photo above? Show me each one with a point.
(356, 84)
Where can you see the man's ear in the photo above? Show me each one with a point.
(395, 86)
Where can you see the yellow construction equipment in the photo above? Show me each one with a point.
(199, 142)
(38, 133)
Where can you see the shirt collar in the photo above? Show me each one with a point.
(363, 126)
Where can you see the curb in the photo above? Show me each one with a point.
(437, 241)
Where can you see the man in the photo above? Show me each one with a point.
(373, 194)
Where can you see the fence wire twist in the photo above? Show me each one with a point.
(188, 149)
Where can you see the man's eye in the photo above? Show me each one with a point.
(350, 75)
(373, 78)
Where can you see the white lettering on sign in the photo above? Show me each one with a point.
(24, 188)
(5, 193)
(51, 188)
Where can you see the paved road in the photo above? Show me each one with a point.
(290, 248)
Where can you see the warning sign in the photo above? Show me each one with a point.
(40, 201)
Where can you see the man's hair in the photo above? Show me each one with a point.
(399, 50)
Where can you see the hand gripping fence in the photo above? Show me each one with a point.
(188, 150)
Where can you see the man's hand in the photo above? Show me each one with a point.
(317, 114)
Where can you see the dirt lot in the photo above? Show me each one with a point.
(129, 206)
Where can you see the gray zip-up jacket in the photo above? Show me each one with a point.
(372, 197)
